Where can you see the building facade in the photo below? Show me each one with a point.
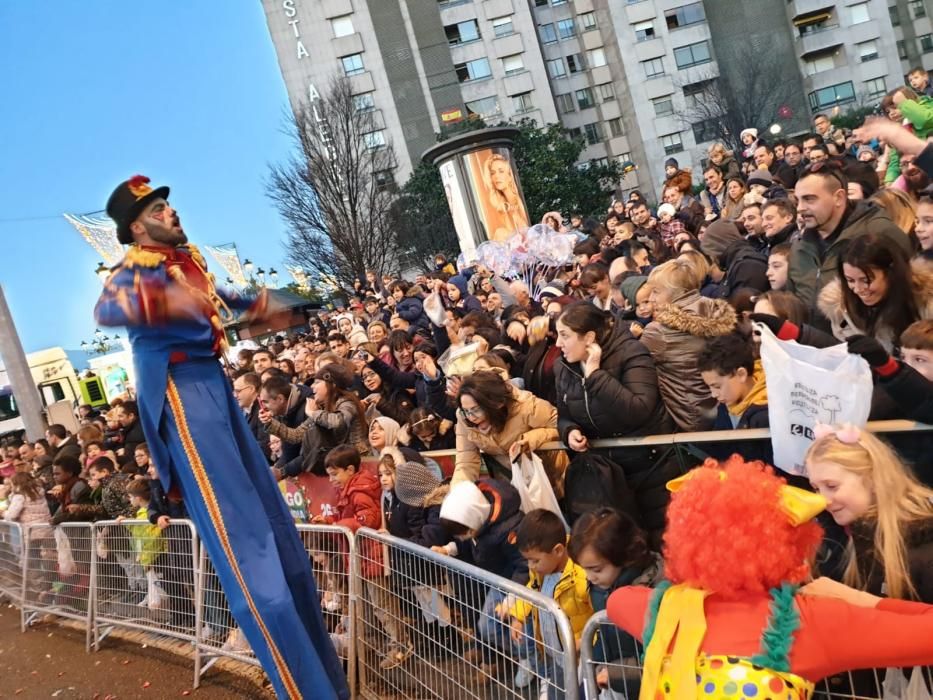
(621, 74)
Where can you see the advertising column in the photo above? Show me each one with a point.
(482, 186)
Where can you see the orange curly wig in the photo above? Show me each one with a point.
(730, 536)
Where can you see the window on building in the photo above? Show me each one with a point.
(540, 3)
(663, 106)
(876, 87)
(556, 68)
(858, 13)
(867, 50)
(831, 96)
(644, 31)
(566, 28)
(462, 32)
(513, 64)
(597, 57)
(483, 107)
(673, 143)
(574, 133)
(565, 103)
(902, 49)
(692, 55)
(547, 33)
(587, 21)
(653, 67)
(606, 92)
(385, 180)
(575, 63)
(375, 139)
(706, 130)
(473, 70)
(685, 15)
(352, 64)
(555, 3)
(918, 9)
(584, 98)
(522, 102)
(342, 26)
(818, 64)
(615, 127)
(895, 16)
(502, 26)
(696, 94)
(926, 43)
(593, 132)
(364, 102)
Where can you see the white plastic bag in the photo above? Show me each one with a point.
(154, 593)
(66, 561)
(433, 606)
(531, 482)
(896, 687)
(434, 309)
(807, 386)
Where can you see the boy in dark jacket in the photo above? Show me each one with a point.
(735, 379)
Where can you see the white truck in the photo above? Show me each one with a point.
(54, 377)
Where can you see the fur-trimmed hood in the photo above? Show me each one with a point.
(831, 304)
(405, 435)
(699, 316)
(437, 496)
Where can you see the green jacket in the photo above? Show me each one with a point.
(920, 115)
(809, 271)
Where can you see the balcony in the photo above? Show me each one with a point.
(798, 8)
(819, 40)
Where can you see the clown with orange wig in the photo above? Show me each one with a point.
(731, 622)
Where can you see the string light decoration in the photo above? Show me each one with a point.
(228, 258)
(101, 234)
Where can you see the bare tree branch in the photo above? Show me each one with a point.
(331, 192)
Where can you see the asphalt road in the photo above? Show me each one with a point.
(49, 661)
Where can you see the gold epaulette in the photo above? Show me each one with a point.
(196, 255)
(137, 257)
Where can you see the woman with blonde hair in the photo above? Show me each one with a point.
(683, 322)
(887, 512)
(502, 196)
(900, 207)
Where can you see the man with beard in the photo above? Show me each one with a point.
(914, 178)
(202, 446)
(831, 222)
(789, 170)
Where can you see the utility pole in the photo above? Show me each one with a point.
(17, 369)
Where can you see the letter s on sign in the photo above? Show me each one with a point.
(289, 7)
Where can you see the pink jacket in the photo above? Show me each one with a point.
(34, 512)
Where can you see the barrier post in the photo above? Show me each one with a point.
(12, 553)
(144, 578)
(432, 626)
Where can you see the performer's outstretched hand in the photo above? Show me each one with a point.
(827, 588)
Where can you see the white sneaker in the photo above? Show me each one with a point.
(207, 632)
(524, 675)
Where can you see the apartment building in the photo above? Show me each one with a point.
(623, 74)
(913, 32)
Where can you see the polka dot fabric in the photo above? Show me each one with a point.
(734, 678)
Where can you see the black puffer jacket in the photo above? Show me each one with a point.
(745, 267)
(621, 398)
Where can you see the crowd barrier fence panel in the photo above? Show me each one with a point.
(620, 677)
(58, 574)
(429, 627)
(145, 578)
(12, 552)
(330, 549)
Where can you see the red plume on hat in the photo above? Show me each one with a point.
(139, 186)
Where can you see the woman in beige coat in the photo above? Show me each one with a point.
(497, 420)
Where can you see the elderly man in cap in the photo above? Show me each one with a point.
(202, 446)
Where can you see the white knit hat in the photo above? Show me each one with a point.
(466, 504)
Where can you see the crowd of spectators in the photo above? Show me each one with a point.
(417, 397)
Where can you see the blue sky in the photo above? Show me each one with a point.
(188, 93)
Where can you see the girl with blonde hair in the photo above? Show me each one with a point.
(502, 195)
(887, 512)
(900, 207)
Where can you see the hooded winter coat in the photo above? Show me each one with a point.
(621, 398)
(682, 180)
(674, 339)
(831, 304)
(745, 267)
(809, 270)
(467, 301)
(411, 308)
(493, 548)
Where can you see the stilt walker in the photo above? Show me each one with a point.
(202, 446)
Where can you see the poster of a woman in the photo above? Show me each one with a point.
(499, 200)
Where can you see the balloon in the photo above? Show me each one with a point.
(562, 248)
(461, 262)
(494, 255)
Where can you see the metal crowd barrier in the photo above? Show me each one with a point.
(432, 626)
(58, 574)
(145, 578)
(610, 666)
(11, 562)
(330, 549)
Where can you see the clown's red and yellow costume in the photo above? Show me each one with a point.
(731, 623)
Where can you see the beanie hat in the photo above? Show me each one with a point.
(630, 287)
(667, 208)
(671, 162)
(554, 288)
(752, 131)
(466, 505)
(390, 427)
(413, 482)
(865, 148)
(760, 177)
(719, 236)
